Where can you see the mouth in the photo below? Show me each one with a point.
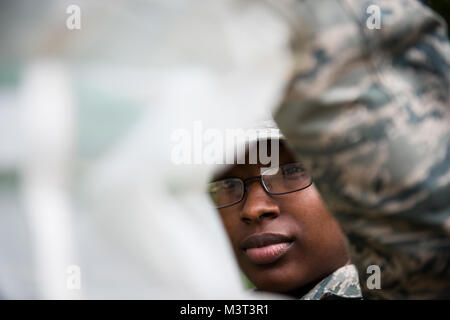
(266, 248)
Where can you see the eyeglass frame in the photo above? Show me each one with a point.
(244, 182)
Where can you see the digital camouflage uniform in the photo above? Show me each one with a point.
(367, 112)
(341, 284)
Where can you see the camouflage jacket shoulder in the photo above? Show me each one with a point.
(341, 284)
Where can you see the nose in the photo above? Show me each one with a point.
(258, 204)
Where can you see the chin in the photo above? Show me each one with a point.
(282, 280)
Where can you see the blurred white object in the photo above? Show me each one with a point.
(98, 106)
(46, 114)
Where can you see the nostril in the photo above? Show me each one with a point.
(268, 215)
(246, 220)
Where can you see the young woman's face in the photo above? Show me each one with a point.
(282, 242)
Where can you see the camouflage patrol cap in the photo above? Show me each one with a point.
(266, 129)
(261, 130)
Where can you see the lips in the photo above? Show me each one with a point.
(266, 248)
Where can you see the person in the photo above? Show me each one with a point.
(283, 236)
(367, 110)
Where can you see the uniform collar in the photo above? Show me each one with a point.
(342, 283)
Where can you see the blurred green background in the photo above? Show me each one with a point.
(442, 7)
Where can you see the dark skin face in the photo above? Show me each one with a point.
(318, 247)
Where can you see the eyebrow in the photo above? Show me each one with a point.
(230, 176)
(224, 176)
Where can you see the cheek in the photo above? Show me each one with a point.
(318, 230)
(306, 207)
(322, 236)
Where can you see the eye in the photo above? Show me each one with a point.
(213, 187)
(229, 184)
(291, 170)
(226, 185)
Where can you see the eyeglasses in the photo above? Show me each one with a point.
(287, 178)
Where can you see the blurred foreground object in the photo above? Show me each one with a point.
(87, 185)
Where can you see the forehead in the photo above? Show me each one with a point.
(248, 170)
